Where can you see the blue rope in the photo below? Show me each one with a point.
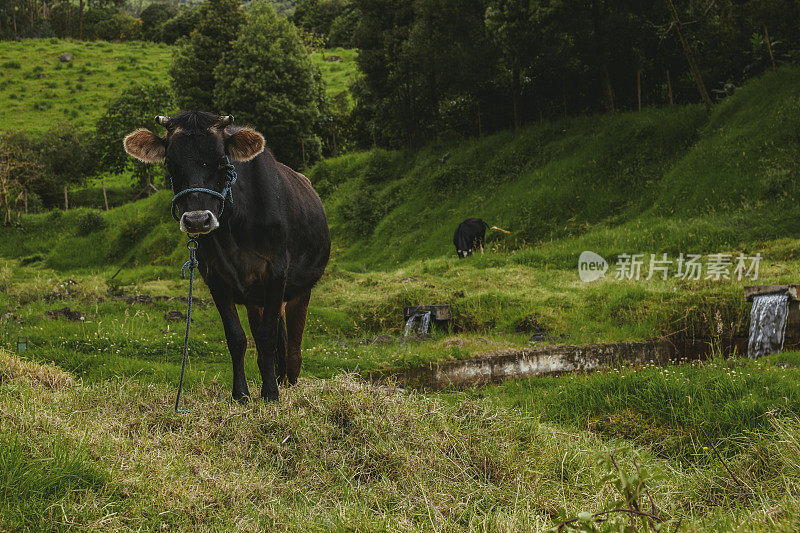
(226, 194)
(191, 264)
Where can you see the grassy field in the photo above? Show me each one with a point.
(37, 90)
(678, 411)
(338, 75)
(715, 443)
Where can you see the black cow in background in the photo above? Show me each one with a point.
(470, 235)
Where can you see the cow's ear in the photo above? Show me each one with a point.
(145, 146)
(244, 144)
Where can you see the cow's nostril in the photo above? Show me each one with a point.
(199, 222)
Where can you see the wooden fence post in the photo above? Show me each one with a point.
(639, 88)
(769, 47)
(105, 196)
(669, 91)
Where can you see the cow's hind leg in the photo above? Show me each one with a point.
(296, 311)
(255, 315)
(270, 338)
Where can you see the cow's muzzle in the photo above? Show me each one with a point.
(198, 222)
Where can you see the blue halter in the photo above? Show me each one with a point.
(227, 192)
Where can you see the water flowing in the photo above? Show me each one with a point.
(768, 319)
(424, 320)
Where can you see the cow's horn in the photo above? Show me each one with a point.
(163, 120)
(226, 120)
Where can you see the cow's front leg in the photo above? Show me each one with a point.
(271, 341)
(237, 341)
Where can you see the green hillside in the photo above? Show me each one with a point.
(659, 181)
(38, 90)
(655, 181)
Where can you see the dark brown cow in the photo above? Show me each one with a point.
(263, 235)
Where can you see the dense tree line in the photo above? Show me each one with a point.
(438, 67)
(109, 20)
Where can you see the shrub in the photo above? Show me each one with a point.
(91, 222)
(153, 18)
(180, 25)
(109, 24)
(30, 259)
(133, 108)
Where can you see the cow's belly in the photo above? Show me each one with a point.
(248, 275)
(252, 288)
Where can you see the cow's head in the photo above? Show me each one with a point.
(195, 147)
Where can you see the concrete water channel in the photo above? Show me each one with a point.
(545, 360)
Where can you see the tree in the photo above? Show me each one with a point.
(512, 25)
(153, 18)
(44, 165)
(317, 16)
(192, 70)
(267, 80)
(181, 25)
(387, 111)
(18, 169)
(108, 23)
(134, 108)
(343, 27)
(67, 159)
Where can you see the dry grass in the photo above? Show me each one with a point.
(14, 369)
(336, 455)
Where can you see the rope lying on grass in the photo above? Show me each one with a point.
(191, 264)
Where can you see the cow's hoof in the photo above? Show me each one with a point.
(269, 396)
(241, 398)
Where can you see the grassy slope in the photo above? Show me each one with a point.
(75, 92)
(654, 181)
(38, 91)
(602, 183)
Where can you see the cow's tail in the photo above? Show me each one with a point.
(500, 229)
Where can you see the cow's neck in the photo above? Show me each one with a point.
(239, 251)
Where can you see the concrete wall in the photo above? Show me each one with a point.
(546, 360)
